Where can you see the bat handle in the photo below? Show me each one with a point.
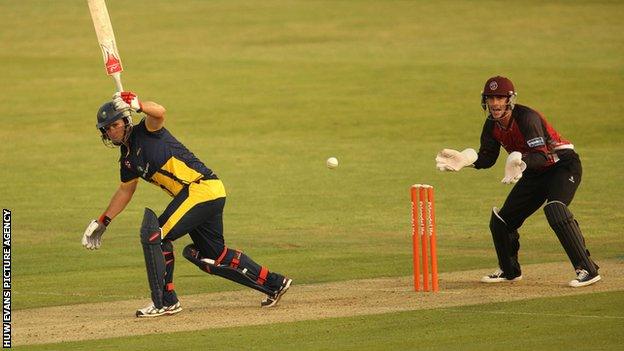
(117, 79)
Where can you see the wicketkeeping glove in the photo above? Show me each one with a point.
(92, 237)
(513, 168)
(453, 160)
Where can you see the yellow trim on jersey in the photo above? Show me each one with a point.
(179, 170)
(205, 190)
(169, 185)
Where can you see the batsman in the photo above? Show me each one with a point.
(149, 151)
(544, 168)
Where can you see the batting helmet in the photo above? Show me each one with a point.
(106, 115)
(499, 86)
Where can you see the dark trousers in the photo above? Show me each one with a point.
(198, 210)
(203, 222)
(559, 183)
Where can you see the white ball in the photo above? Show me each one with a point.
(332, 162)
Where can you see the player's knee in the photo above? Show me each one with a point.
(167, 250)
(167, 245)
(497, 223)
(557, 213)
(192, 254)
(230, 257)
(503, 216)
(150, 229)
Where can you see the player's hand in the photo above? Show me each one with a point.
(131, 99)
(92, 237)
(513, 168)
(119, 103)
(453, 160)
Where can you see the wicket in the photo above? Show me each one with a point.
(423, 216)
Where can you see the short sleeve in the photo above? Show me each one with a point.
(125, 173)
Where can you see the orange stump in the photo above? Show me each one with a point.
(415, 238)
(424, 231)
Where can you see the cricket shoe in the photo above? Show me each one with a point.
(152, 311)
(499, 276)
(583, 278)
(272, 300)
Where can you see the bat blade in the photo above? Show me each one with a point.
(106, 39)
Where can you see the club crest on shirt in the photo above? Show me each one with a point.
(127, 164)
(535, 142)
(145, 170)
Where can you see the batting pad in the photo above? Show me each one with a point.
(154, 259)
(246, 273)
(569, 233)
(506, 244)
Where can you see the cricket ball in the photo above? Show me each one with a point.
(332, 162)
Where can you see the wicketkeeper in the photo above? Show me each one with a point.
(544, 168)
(150, 152)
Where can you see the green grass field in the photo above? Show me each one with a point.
(263, 93)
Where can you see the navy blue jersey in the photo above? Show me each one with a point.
(528, 133)
(160, 159)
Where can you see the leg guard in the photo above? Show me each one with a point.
(569, 233)
(237, 267)
(169, 296)
(506, 244)
(154, 259)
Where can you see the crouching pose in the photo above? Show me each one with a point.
(150, 152)
(544, 168)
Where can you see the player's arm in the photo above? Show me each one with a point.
(121, 198)
(155, 115)
(533, 130)
(489, 149)
(535, 160)
(92, 237)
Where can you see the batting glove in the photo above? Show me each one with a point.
(513, 168)
(453, 160)
(131, 99)
(92, 237)
(119, 103)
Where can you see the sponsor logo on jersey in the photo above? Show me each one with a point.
(535, 142)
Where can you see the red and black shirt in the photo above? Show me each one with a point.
(528, 133)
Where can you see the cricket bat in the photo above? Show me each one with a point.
(106, 38)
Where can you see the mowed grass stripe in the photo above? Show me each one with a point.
(434, 329)
(304, 302)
